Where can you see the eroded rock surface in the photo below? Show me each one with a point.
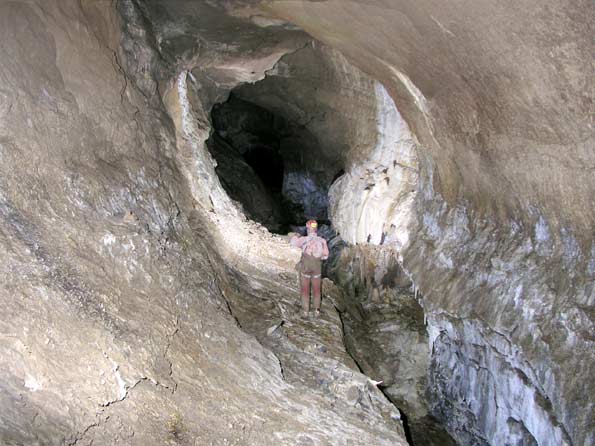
(500, 242)
(123, 254)
(386, 333)
(115, 329)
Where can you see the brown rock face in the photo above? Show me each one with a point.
(140, 306)
(115, 328)
(489, 89)
(501, 100)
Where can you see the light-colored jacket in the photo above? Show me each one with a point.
(312, 245)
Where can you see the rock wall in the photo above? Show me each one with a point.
(374, 201)
(117, 245)
(500, 98)
(386, 333)
(114, 228)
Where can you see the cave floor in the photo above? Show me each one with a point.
(311, 351)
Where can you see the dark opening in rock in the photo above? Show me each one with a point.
(268, 165)
(263, 164)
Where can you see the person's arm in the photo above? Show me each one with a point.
(297, 241)
(325, 252)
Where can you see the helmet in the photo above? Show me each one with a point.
(312, 225)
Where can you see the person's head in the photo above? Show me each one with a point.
(311, 227)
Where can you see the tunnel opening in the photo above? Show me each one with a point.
(284, 156)
(305, 143)
(268, 166)
(263, 165)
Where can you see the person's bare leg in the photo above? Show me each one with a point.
(316, 293)
(305, 292)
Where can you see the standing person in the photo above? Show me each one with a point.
(314, 251)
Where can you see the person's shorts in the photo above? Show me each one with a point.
(310, 267)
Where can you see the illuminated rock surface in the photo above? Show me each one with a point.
(141, 306)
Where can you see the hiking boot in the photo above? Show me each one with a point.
(305, 315)
(316, 314)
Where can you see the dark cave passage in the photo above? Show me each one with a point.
(267, 165)
(270, 180)
(262, 162)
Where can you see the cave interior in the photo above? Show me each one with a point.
(155, 156)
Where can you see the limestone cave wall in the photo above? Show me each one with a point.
(140, 303)
(500, 98)
(119, 262)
